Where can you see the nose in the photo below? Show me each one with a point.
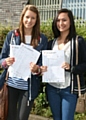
(60, 22)
(29, 19)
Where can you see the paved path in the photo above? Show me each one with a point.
(36, 117)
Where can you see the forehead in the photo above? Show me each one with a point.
(63, 15)
(30, 13)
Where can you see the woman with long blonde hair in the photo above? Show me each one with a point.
(21, 91)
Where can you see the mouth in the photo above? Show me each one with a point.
(28, 24)
(62, 27)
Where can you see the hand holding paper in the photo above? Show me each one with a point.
(24, 54)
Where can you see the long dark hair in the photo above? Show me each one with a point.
(72, 31)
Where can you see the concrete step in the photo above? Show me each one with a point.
(37, 117)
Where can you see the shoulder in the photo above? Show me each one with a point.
(15, 32)
(50, 44)
(8, 36)
(43, 36)
(50, 41)
(10, 33)
(81, 40)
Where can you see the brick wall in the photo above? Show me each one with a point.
(10, 11)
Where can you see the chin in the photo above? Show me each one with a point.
(28, 27)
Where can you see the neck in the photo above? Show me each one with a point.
(63, 36)
(28, 31)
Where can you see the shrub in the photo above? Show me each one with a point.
(3, 32)
(46, 28)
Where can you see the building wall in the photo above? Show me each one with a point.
(10, 11)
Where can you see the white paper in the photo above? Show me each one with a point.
(53, 60)
(24, 54)
(13, 52)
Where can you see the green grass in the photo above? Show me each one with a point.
(80, 116)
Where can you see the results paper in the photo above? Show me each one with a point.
(53, 60)
(24, 54)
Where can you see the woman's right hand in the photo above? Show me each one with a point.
(66, 65)
(10, 61)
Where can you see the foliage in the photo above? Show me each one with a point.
(80, 116)
(46, 28)
(80, 23)
(3, 32)
(81, 31)
(41, 106)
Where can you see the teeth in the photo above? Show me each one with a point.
(61, 27)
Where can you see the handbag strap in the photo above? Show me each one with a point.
(7, 75)
(78, 80)
(12, 42)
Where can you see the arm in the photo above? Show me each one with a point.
(4, 56)
(81, 67)
(36, 68)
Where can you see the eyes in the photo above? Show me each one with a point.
(61, 20)
(30, 17)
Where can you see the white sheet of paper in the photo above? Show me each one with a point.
(23, 56)
(13, 52)
(53, 60)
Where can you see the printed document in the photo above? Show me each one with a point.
(24, 54)
(53, 60)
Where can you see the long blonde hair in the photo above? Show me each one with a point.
(36, 28)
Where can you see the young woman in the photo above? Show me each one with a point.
(19, 89)
(61, 96)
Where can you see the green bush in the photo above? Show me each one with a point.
(46, 28)
(41, 106)
(3, 32)
(81, 31)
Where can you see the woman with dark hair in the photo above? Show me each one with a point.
(20, 90)
(62, 97)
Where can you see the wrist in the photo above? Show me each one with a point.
(38, 70)
(4, 64)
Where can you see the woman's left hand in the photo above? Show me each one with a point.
(66, 65)
(33, 67)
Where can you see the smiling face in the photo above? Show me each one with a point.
(29, 20)
(63, 22)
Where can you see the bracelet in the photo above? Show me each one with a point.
(4, 64)
(39, 70)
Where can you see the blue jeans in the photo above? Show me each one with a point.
(62, 103)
